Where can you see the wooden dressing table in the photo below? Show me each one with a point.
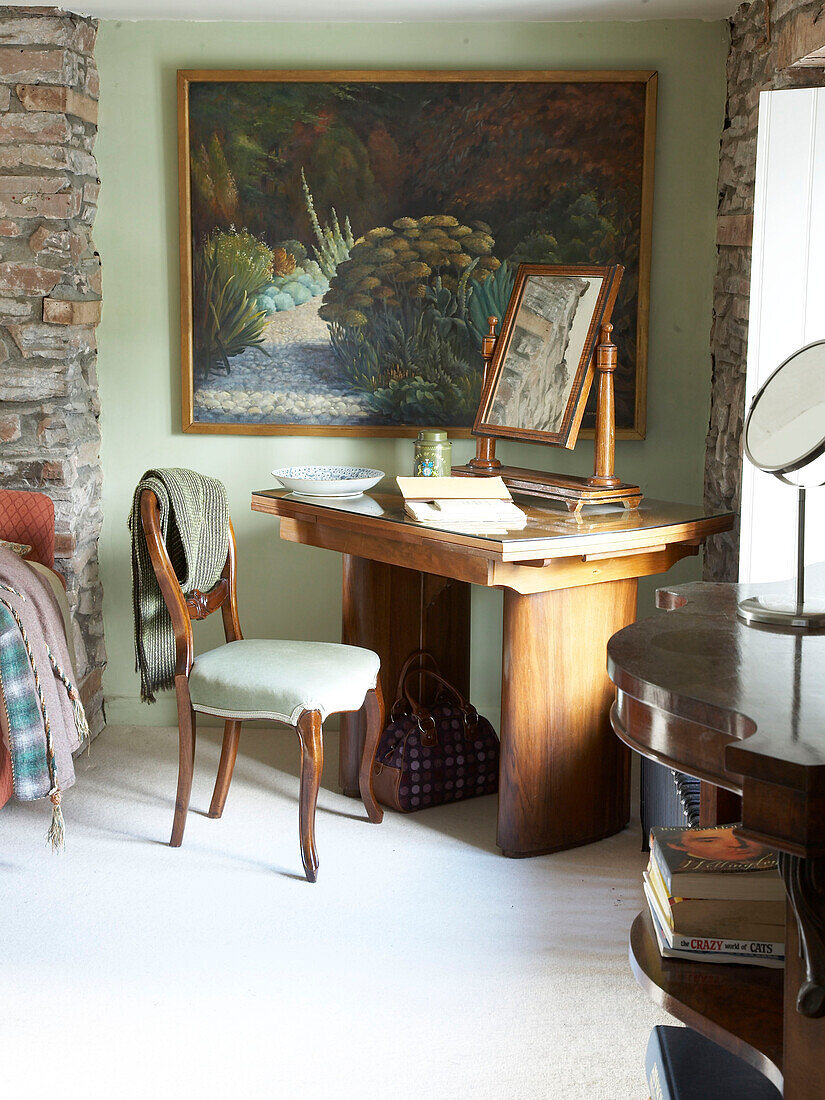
(569, 583)
(743, 708)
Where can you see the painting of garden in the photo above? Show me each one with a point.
(349, 240)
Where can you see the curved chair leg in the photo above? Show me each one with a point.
(374, 709)
(229, 751)
(312, 765)
(186, 766)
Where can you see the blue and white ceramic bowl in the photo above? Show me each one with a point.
(328, 481)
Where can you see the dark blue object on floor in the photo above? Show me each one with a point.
(681, 1064)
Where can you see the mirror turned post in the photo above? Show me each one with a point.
(485, 461)
(606, 362)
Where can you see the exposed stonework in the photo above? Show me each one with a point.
(757, 62)
(50, 298)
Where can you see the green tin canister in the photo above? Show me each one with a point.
(433, 454)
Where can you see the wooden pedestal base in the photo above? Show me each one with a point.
(574, 492)
(565, 779)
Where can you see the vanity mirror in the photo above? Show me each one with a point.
(785, 436)
(556, 334)
(541, 370)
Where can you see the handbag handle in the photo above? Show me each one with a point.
(425, 720)
(419, 655)
(439, 679)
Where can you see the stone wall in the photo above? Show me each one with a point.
(50, 293)
(761, 58)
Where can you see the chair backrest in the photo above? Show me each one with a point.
(28, 517)
(198, 605)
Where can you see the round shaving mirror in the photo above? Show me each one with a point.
(785, 436)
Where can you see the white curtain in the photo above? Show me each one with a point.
(787, 309)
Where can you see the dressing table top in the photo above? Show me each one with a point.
(551, 530)
(741, 706)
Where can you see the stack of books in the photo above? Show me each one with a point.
(461, 503)
(715, 897)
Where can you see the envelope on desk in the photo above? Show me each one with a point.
(453, 488)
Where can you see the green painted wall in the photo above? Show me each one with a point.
(294, 591)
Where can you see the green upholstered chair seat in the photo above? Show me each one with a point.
(279, 680)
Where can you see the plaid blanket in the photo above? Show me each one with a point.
(42, 717)
(30, 767)
(194, 522)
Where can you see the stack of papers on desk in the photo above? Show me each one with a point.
(467, 511)
(461, 502)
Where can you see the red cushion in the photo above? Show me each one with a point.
(29, 517)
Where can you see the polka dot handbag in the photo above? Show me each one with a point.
(426, 756)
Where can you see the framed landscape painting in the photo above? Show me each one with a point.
(345, 235)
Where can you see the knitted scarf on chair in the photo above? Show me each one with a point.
(194, 522)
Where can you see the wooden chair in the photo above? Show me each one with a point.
(297, 683)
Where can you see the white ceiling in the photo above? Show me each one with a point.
(451, 11)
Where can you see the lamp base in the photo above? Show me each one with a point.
(783, 614)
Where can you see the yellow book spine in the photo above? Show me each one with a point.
(658, 887)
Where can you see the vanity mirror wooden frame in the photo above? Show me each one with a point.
(574, 301)
(596, 354)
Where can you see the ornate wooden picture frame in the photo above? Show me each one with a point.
(542, 367)
(343, 236)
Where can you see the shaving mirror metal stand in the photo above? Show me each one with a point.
(784, 436)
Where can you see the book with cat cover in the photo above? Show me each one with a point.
(715, 863)
(716, 943)
(709, 952)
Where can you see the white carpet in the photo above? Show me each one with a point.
(421, 966)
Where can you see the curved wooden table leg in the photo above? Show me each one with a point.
(312, 765)
(374, 709)
(229, 752)
(186, 763)
(564, 777)
(803, 1037)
